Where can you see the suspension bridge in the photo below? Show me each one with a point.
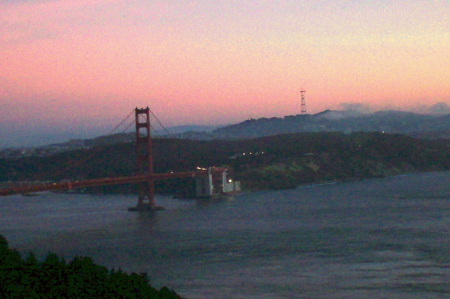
(209, 181)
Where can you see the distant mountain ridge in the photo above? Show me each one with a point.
(335, 121)
(347, 121)
(131, 137)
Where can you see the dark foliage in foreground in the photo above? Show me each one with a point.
(79, 278)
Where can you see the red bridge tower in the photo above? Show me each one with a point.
(146, 197)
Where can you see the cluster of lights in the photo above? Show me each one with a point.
(247, 154)
(257, 153)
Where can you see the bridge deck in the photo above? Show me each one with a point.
(101, 182)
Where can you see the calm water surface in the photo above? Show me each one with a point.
(381, 238)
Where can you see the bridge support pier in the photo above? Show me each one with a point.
(146, 198)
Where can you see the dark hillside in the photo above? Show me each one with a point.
(274, 162)
(336, 121)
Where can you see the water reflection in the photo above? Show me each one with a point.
(384, 237)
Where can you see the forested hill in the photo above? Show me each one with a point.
(346, 121)
(273, 162)
(338, 121)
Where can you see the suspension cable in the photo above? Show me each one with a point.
(74, 163)
(155, 131)
(124, 120)
(168, 133)
(128, 126)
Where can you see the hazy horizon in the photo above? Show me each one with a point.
(81, 65)
(50, 135)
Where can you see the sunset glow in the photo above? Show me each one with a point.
(83, 65)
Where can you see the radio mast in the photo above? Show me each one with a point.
(302, 92)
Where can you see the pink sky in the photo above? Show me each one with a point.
(86, 64)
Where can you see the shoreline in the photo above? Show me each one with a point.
(244, 191)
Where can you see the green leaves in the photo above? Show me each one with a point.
(80, 278)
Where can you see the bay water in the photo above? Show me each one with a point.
(377, 238)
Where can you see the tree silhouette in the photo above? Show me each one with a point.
(80, 278)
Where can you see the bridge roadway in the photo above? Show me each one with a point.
(70, 185)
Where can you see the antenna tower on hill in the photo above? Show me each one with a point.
(302, 92)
